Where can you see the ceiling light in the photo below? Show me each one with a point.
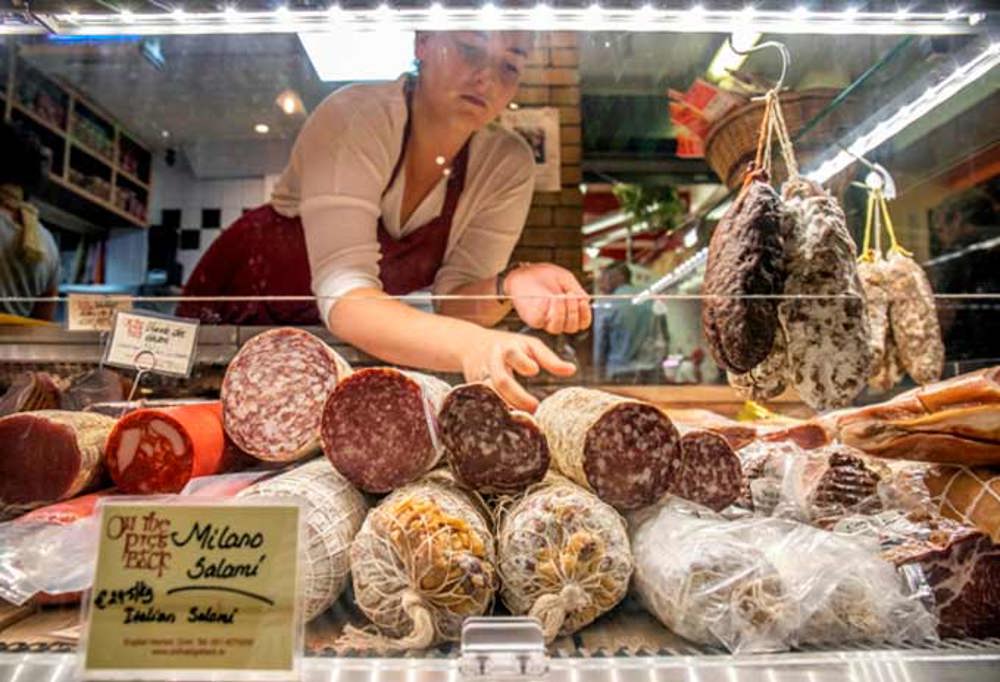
(262, 128)
(178, 14)
(952, 14)
(290, 102)
(349, 55)
(127, 16)
(934, 96)
(165, 134)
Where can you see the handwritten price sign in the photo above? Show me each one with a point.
(152, 343)
(194, 587)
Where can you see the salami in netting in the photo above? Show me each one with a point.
(490, 447)
(380, 427)
(160, 450)
(48, 456)
(626, 451)
(564, 556)
(274, 390)
(422, 563)
(334, 513)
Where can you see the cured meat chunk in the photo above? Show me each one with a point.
(28, 392)
(380, 427)
(626, 451)
(564, 556)
(744, 270)
(710, 474)
(333, 515)
(736, 433)
(48, 456)
(959, 563)
(160, 450)
(94, 386)
(274, 390)
(490, 447)
(951, 422)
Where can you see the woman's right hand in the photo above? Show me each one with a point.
(495, 357)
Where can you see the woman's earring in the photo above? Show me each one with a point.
(416, 66)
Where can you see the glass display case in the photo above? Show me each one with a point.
(710, 391)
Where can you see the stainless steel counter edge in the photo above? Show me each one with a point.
(903, 665)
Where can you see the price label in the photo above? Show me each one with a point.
(147, 342)
(93, 313)
(195, 587)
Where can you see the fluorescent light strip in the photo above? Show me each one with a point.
(933, 97)
(673, 277)
(541, 17)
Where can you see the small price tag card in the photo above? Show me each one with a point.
(93, 313)
(185, 589)
(147, 342)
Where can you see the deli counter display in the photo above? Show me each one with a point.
(764, 445)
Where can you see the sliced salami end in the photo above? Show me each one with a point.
(631, 455)
(711, 474)
(490, 447)
(379, 427)
(159, 451)
(274, 390)
(48, 456)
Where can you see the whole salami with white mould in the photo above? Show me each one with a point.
(626, 451)
(333, 516)
(490, 447)
(914, 319)
(274, 390)
(886, 368)
(767, 380)
(380, 427)
(823, 314)
(48, 456)
(564, 556)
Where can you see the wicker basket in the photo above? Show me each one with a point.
(732, 142)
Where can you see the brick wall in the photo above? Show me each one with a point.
(552, 233)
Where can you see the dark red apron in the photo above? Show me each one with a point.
(264, 254)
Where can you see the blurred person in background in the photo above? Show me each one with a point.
(630, 340)
(29, 257)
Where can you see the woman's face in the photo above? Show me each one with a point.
(471, 75)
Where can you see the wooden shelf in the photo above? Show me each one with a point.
(90, 151)
(80, 202)
(28, 113)
(133, 179)
(100, 201)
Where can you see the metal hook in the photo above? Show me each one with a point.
(786, 59)
(889, 185)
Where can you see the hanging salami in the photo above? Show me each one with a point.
(490, 447)
(274, 390)
(380, 427)
(913, 315)
(823, 313)
(625, 450)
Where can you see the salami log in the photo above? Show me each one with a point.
(736, 433)
(159, 451)
(564, 556)
(274, 390)
(379, 427)
(48, 456)
(886, 367)
(624, 450)
(744, 270)
(333, 516)
(490, 447)
(969, 495)
(710, 473)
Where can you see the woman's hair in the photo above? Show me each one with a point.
(24, 161)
